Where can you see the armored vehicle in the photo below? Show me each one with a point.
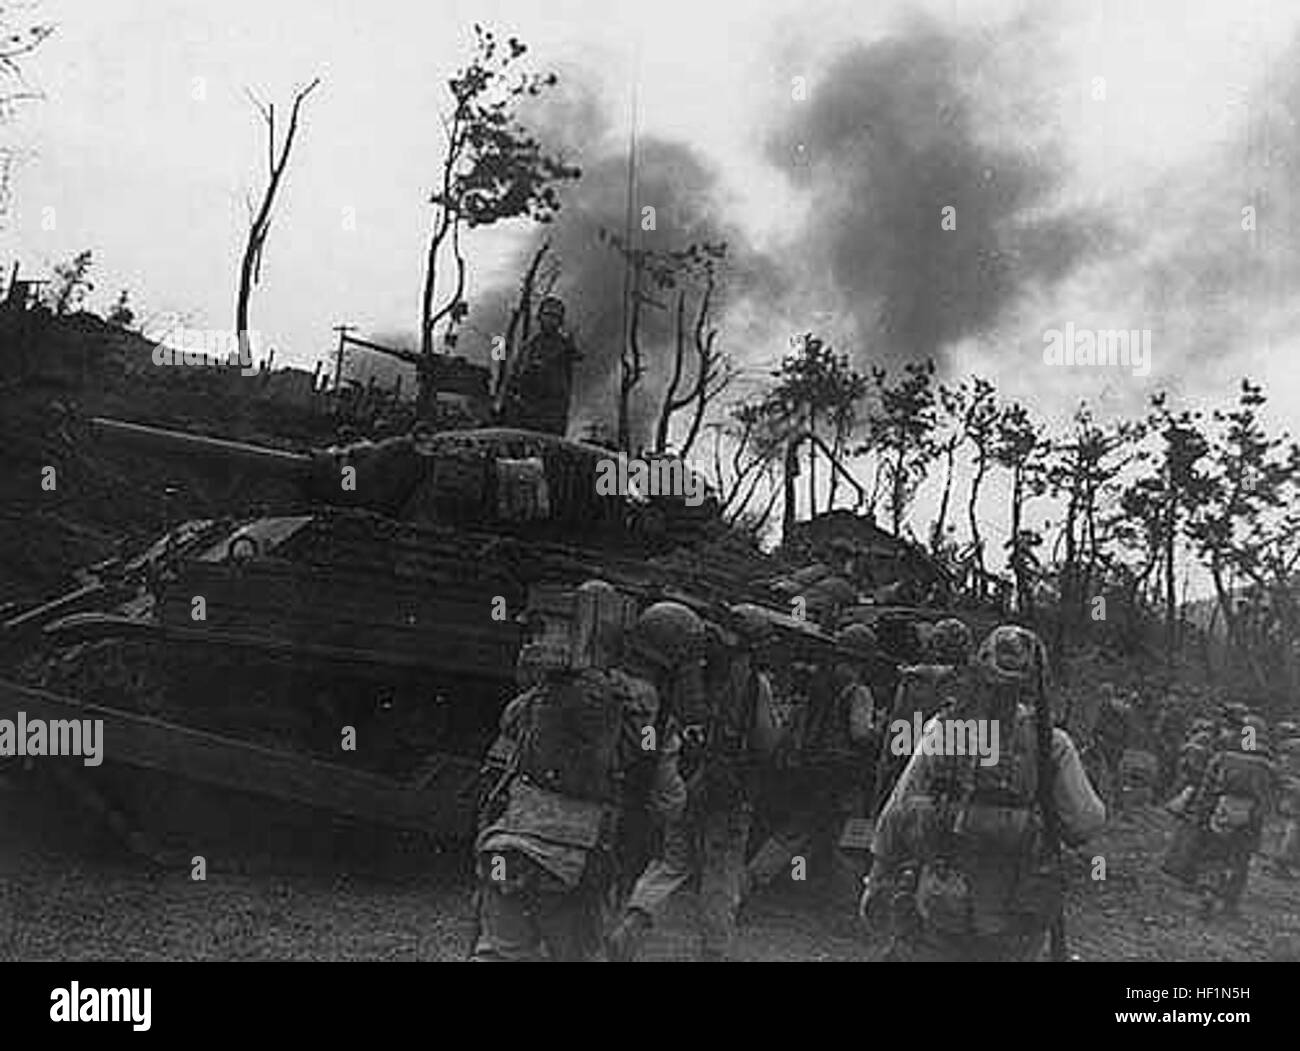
(353, 650)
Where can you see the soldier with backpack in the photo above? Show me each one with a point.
(704, 788)
(1111, 736)
(550, 820)
(966, 852)
(1193, 757)
(1287, 859)
(1228, 809)
(829, 786)
(924, 688)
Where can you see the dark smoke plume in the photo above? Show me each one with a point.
(889, 136)
(682, 187)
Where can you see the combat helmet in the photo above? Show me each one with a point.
(1011, 655)
(667, 634)
(752, 623)
(950, 642)
(858, 640)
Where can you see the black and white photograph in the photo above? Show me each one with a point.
(586, 481)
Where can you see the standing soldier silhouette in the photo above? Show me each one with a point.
(538, 389)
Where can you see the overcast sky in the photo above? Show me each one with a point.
(1115, 210)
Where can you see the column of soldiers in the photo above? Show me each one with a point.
(664, 720)
(676, 722)
(676, 726)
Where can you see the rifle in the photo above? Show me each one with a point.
(1051, 820)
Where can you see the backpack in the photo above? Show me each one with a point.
(730, 767)
(1241, 786)
(984, 871)
(570, 735)
(928, 688)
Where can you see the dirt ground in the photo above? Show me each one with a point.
(285, 886)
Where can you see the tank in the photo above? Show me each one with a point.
(353, 650)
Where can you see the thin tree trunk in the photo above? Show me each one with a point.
(812, 466)
(791, 469)
(1171, 629)
(936, 534)
(679, 357)
(972, 508)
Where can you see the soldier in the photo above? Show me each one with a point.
(962, 870)
(1170, 729)
(1193, 758)
(537, 392)
(1111, 736)
(924, 688)
(715, 738)
(836, 760)
(1287, 858)
(1228, 810)
(550, 820)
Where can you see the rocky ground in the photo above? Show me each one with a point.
(289, 887)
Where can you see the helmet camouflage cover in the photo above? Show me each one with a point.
(752, 623)
(667, 634)
(1012, 654)
(951, 641)
(858, 639)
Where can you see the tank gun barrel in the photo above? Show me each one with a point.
(159, 441)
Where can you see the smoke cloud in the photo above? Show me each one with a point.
(895, 131)
(927, 217)
(681, 186)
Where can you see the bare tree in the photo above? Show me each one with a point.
(662, 269)
(250, 267)
(713, 371)
(981, 430)
(755, 451)
(957, 404)
(517, 330)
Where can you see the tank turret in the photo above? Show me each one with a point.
(493, 478)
